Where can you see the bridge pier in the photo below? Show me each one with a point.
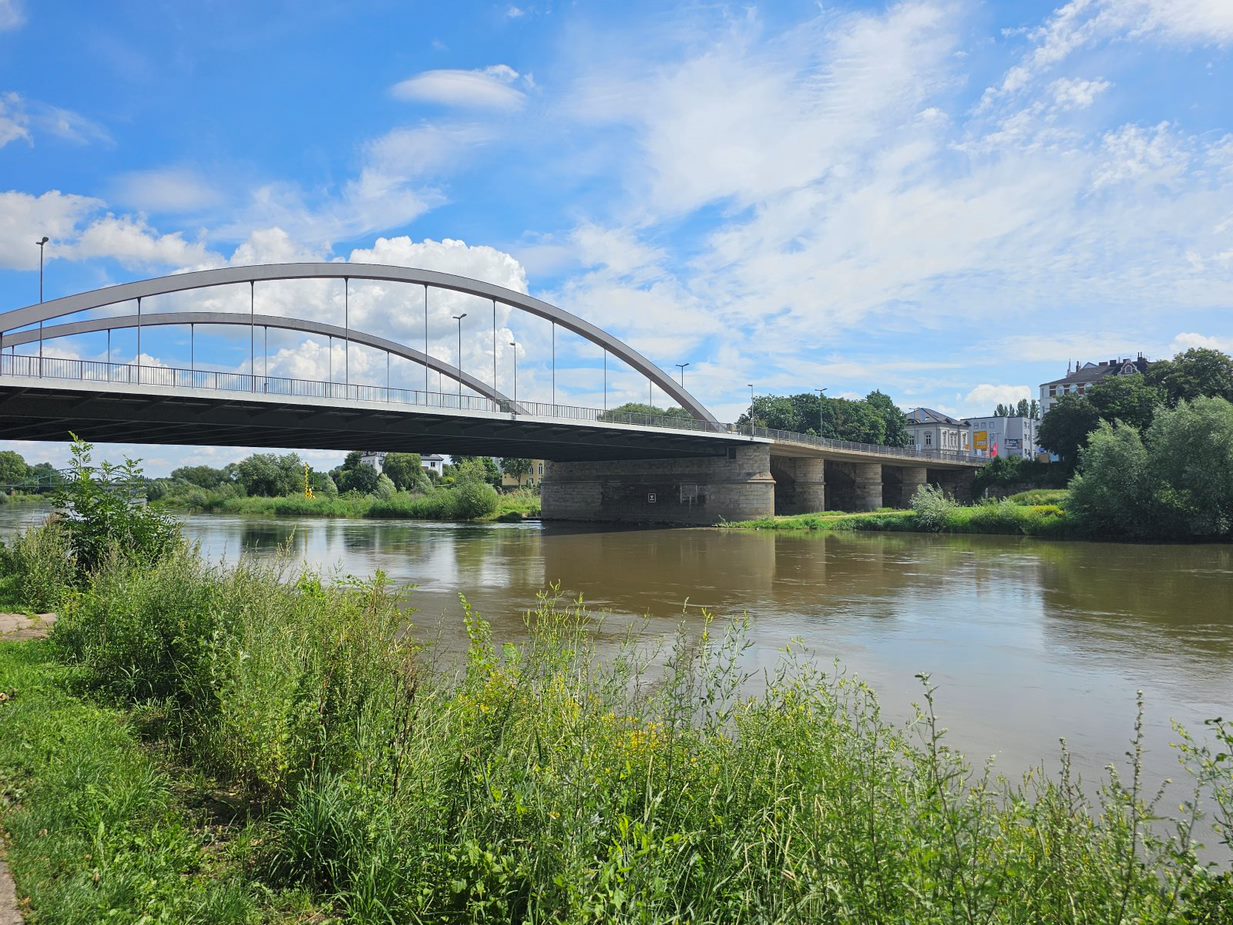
(700, 491)
(800, 484)
(900, 484)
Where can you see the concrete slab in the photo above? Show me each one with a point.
(15, 627)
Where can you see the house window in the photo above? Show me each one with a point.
(1053, 391)
(928, 439)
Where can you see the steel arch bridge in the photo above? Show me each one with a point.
(429, 279)
(152, 404)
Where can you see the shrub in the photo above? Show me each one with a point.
(473, 499)
(39, 563)
(933, 508)
(103, 514)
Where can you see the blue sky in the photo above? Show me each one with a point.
(945, 200)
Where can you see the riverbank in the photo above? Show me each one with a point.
(1019, 515)
(263, 741)
(442, 504)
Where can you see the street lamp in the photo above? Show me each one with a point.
(514, 344)
(459, 318)
(820, 397)
(751, 408)
(41, 243)
(681, 367)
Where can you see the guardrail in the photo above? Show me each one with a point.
(37, 367)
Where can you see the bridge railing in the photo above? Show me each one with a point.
(219, 381)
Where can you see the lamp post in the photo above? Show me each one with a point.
(459, 318)
(681, 367)
(42, 242)
(514, 344)
(820, 397)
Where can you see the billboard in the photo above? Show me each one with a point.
(980, 440)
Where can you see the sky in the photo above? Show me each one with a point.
(947, 200)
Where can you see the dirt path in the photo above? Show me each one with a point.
(15, 627)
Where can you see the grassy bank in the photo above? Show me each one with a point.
(1037, 513)
(98, 828)
(540, 784)
(441, 504)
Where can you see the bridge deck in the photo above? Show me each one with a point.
(121, 403)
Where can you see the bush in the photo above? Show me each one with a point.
(1175, 482)
(40, 567)
(103, 514)
(473, 499)
(933, 508)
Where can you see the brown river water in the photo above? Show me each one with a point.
(1027, 641)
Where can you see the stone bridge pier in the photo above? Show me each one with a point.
(747, 483)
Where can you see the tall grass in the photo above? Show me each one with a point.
(543, 783)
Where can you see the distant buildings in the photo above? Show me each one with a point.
(1086, 375)
(986, 436)
(433, 463)
(933, 430)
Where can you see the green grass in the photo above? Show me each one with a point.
(96, 829)
(1039, 496)
(440, 504)
(1007, 517)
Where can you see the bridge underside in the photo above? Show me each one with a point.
(52, 413)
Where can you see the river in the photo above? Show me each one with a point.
(1027, 641)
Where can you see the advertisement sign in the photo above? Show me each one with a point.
(980, 440)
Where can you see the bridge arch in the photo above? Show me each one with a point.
(202, 279)
(94, 325)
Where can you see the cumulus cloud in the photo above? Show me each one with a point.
(1189, 340)
(986, 397)
(80, 229)
(488, 88)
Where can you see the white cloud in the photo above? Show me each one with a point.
(1135, 153)
(80, 230)
(1186, 341)
(1078, 93)
(489, 88)
(985, 397)
(14, 122)
(12, 15)
(166, 190)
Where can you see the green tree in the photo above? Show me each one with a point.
(406, 471)
(271, 476)
(1192, 467)
(896, 422)
(13, 468)
(201, 476)
(45, 477)
(1174, 481)
(1129, 399)
(363, 479)
(1065, 428)
(620, 412)
(1196, 373)
(473, 469)
(517, 467)
(1112, 490)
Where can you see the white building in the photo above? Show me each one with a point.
(433, 463)
(376, 460)
(1086, 375)
(933, 430)
(999, 436)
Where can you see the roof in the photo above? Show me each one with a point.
(1093, 372)
(929, 416)
(433, 458)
